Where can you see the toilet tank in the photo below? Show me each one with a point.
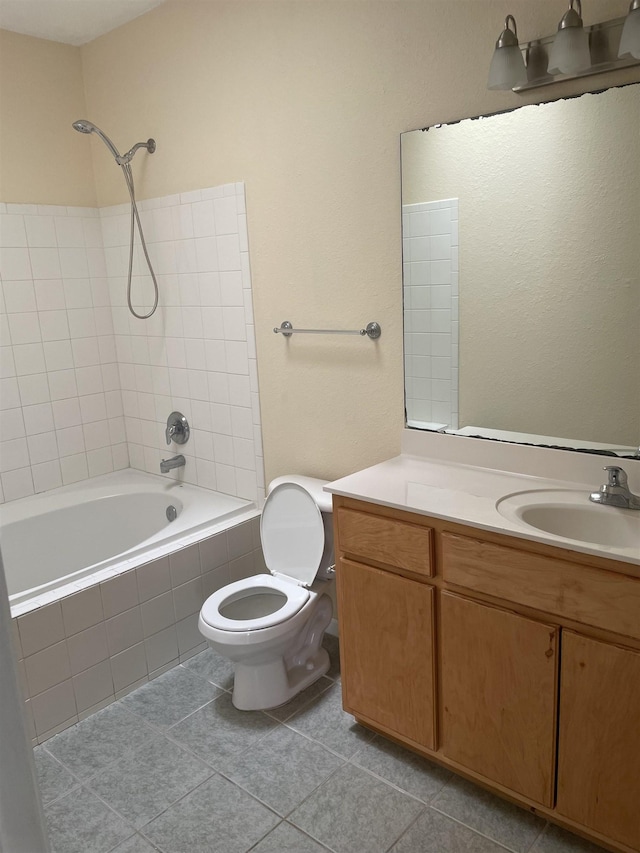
(323, 502)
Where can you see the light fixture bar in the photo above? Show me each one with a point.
(604, 40)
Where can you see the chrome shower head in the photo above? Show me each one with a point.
(84, 126)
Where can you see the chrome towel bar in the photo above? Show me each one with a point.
(372, 330)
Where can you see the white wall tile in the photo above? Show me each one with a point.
(49, 295)
(54, 325)
(14, 453)
(28, 358)
(70, 339)
(7, 362)
(66, 413)
(14, 264)
(77, 292)
(430, 300)
(19, 296)
(33, 388)
(38, 418)
(11, 424)
(203, 219)
(43, 447)
(70, 440)
(17, 484)
(9, 393)
(12, 230)
(74, 468)
(46, 475)
(58, 355)
(24, 328)
(73, 263)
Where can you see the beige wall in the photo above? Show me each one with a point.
(549, 262)
(42, 160)
(305, 101)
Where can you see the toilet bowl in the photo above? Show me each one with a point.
(271, 625)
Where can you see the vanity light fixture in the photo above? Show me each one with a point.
(570, 52)
(630, 39)
(573, 51)
(507, 65)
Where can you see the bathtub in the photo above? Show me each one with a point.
(59, 542)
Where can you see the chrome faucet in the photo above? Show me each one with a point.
(615, 492)
(167, 465)
(177, 428)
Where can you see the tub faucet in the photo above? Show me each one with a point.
(615, 492)
(166, 465)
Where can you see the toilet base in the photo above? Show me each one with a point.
(259, 687)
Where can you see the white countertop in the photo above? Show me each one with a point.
(464, 493)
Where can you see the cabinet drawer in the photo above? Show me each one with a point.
(385, 540)
(591, 596)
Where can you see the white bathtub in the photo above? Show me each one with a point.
(69, 538)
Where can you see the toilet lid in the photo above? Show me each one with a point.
(292, 533)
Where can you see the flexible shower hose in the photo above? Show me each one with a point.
(135, 219)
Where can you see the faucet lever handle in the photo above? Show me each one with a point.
(617, 476)
(177, 428)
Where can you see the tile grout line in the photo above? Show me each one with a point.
(477, 832)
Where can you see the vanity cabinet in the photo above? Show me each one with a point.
(515, 664)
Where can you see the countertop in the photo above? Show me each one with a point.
(466, 494)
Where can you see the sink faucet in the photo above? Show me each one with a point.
(166, 465)
(615, 492)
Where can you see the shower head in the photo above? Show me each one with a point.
(84, 126)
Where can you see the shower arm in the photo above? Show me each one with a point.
(124, 159)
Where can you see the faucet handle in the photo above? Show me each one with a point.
(617, 476)
(177, 428)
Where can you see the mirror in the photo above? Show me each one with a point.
(521, 274)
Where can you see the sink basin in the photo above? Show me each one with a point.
(571, 515)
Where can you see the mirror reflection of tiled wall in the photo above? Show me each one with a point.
(430, 276)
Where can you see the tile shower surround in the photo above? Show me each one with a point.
(86, 650)
(85, 388)
(430, 289)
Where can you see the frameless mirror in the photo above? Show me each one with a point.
(521, 273)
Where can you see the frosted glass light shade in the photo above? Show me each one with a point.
(507, 69)
(569, 52)
(630, 39)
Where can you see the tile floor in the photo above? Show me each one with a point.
(174, 767)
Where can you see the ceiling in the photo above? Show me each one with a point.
(70, 21)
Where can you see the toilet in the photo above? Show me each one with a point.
(271, 625)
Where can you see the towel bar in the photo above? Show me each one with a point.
(372, 330)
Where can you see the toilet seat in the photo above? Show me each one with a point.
(296, 598)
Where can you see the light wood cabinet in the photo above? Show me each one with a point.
(387, 641)
(513, 663)
(599, 740)
(499, 683)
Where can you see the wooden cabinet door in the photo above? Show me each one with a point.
(599, 738)
(499, 687)
(386, 642)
